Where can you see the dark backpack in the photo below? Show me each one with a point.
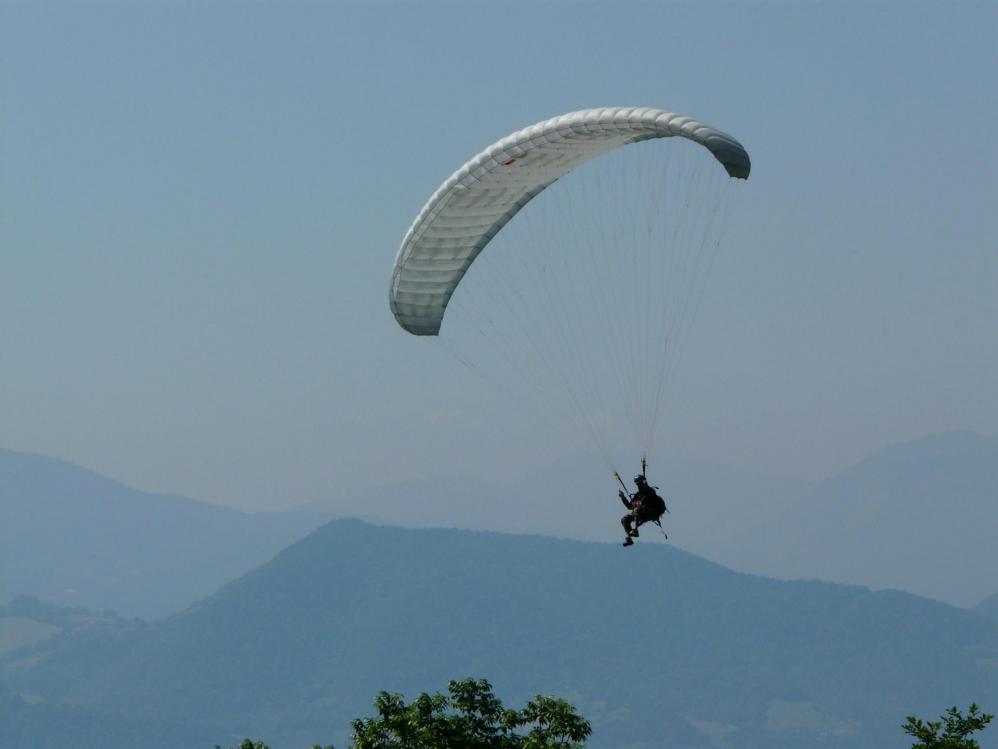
(652, 505)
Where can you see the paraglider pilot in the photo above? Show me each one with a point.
(643, 506)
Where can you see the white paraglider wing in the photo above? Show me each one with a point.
(473, 205)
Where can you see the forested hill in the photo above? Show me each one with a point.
(659, 648)
(28, 724)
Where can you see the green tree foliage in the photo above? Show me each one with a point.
(951, 731)
(470, 717)
(250, 744)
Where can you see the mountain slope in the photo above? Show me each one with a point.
(988, 607)
(74, 537)
(577, 498)
(921, 516)
(658, 647)
(42, 726)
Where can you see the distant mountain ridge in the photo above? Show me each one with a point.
(577, 498)
(74, 537)
(657, 647)
(916, 516)
(920, 516)
(988, 607)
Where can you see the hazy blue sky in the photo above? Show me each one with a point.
(201, 203)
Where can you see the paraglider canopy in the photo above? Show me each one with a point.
(581, 307)
(474, 204)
